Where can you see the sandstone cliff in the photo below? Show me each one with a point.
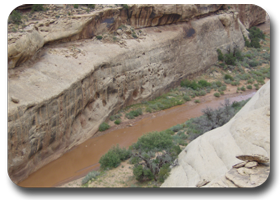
(210, 157)
(61, 92)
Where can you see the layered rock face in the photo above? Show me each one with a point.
(209, 158)
(59, 98)
(250, 15)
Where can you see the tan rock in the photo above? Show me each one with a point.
(242, 164)
(202, 183)
(15, 100)
(255, 157)
(251, 164)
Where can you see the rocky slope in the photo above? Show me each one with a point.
(208, 160)
(63, 82)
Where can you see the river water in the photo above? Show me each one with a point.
(84, 158)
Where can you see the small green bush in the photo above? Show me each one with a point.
(243, 88)
(118, 121)
(256, 86)
(250, 81)
(15, 17)
(249, 87)
(125, 6)
(228, 77)
(37, 7)
(134, 113)
(91, 175)
(197, 101)
(150, 141)
(113, 157)
(176, 128)
(163, 172)
(91, 6)
(238, 55)
(253, 63)
(217, 94)
(104, 126)
(99, 37)
(115, 117)
(230, 59)
(220, 55)
(148, 109)
(76, 6)
(203, 83)
(186, 98)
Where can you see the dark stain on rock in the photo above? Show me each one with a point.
(190, 32)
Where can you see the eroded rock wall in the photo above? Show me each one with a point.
(250, 15)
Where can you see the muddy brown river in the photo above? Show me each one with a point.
(84, 158)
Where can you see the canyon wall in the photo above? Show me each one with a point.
(210, 157)
(58, 97)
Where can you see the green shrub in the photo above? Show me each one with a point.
(104, 126)
(220, 55)
(125, 6)
(203, 83)
(243, 88)
(76, 6)
(219, 83)
(191, 84)
(37, 7)
(91, 6)
(238, 55)
(91, 175)
(163, 172)
(250, 81)
(221, 92)
(99, 37)
(235, 83)
(230, 59)
(118, 121)
(134, 35)
(256, 86)
(150, 141)
(15, 17)
(223, 88)
(113, 157)
(216, 94)
(134, 113)
(197, 101)
(228, 77)
(249, 87)
(186, 98)
(176, 128)
(109, 160)
(115, 117)
(148, 109)
(255, 34)
(253, 63)
(202, 92)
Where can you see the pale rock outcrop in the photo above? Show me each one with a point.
(211, 156)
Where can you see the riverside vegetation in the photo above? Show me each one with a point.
(155, 153)
(244, 70)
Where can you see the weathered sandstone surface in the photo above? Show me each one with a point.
(212, 158)
(61, 92)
